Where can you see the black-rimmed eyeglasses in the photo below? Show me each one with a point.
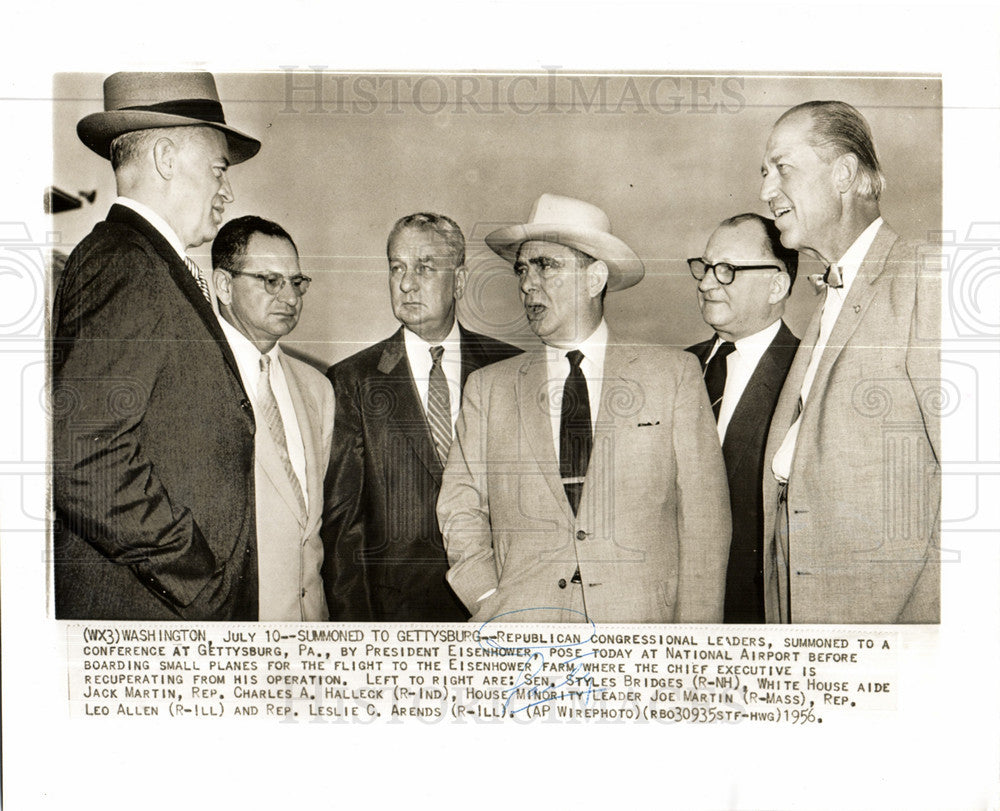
(724, 272)
(275, 283)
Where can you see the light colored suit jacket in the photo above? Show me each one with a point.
(864, 491)
(651, 537)
(290, 551)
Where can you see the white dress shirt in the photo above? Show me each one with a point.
(170, 236)
(418, 354)
(740, 366)
(248, 361)
(594, 349)
(850, 264)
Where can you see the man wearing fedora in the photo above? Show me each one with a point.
(586, 482)
(153, 432)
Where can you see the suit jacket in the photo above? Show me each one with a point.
(152, 437)
(864, 490)
(651, 536)
(385, 558)
(291, 552)
(743, 451)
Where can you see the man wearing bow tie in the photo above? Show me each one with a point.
(586, 482)
(744, 279)
(852, 467)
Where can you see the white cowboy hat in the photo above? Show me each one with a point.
(144, 101)
(579, 225)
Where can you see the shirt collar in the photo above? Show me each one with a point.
(414, 343)
(246, 351)
(593, 347)
(156, 221)
(758, 342)
(850, 262)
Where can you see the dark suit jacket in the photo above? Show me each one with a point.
(743, 450)
(384, 558)
(152, 438)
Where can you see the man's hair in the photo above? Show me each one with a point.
(229, 250)
(838, 129)
(444, 227)
(772, 242)
(130, 146)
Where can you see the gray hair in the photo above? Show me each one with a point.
(839, 129)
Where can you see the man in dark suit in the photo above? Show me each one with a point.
(396, 406)
(152, 430)
(744, 279)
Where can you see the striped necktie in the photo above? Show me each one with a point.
(832, 278)
(715, 375)
(198, 277)
(439, 405)
(272, 416)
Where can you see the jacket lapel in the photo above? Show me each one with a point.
(181, 277)
(534, 416)
(408, 414)
(856, 304)
(766, 379)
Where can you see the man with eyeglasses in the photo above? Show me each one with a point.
(397, 402)
(260, 290)
(744, 279)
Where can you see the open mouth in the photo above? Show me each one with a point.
(535, 312)
(780, 212)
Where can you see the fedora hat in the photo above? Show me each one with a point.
(577, 224)
(144, 101)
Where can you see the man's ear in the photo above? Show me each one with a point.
(165, 157)
(461, 277)
(597, 277)
(223, 286)
(845, 171)
(780, 284)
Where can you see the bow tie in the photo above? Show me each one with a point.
(831, 278)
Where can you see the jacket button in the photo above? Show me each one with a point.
(245, 405)
(581, 535)
(562, 582)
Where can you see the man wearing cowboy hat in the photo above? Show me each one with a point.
(586, 482)
(153, 433)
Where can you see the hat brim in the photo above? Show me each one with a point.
(98, 130)
(625, 268)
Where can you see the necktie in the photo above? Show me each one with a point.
(439, 405)
(831, 278)
(575, 431)
(715, 375)
(272, 416)
(198, 277)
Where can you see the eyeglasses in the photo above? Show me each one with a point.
(724, 271)
(275, 283)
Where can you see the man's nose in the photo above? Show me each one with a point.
(226, 190)
(288, 294)
(529, 281)
(768, 187)
(708, 281)
(408, 281)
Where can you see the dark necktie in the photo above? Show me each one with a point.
(439, 405)
(575, 431)
(715, 376)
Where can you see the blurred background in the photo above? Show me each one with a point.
(666, 156)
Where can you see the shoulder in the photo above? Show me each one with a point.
(701, 348)
(361, 363)
(498, 372)
(486, 348)
(306, 374)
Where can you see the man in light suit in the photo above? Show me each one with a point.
(260, 290)
(152, 431)
(744, 278)
(586, 482)
(397, 402)
(852, 467)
